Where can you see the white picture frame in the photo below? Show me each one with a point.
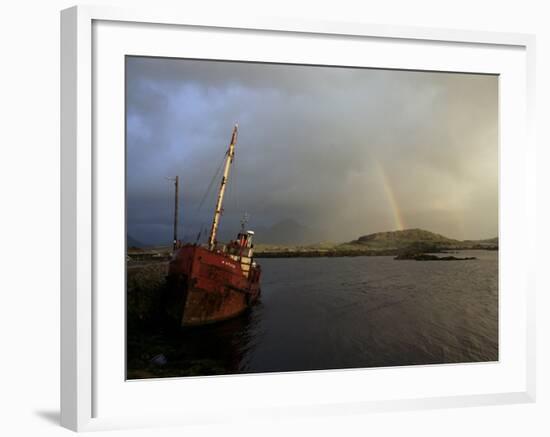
(85, 387)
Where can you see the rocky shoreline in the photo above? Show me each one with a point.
(429, 257)
(399, 254)
(323, 253)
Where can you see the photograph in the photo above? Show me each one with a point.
(295, 217)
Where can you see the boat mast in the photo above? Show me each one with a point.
(176, 181)
(218, 211)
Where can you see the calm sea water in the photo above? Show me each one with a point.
(329, 313)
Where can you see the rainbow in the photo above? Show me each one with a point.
(399, 223)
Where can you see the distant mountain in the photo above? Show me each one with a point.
(287, 231)
(132, 242)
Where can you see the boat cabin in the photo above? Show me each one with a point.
(242, 250)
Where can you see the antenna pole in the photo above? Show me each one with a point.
(177, 185)
(176, 180)
(218, 211)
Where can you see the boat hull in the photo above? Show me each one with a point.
(209, 286)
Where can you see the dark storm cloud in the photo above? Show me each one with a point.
(341, 151)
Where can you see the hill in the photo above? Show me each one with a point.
(404, 238)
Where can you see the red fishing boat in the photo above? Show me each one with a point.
(214, 282)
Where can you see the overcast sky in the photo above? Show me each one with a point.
(342, 152)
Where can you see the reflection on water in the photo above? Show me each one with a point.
(329, 313)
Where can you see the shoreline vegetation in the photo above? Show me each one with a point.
(405, 244)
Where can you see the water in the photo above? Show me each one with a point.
(323, 313)
(350, 312)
